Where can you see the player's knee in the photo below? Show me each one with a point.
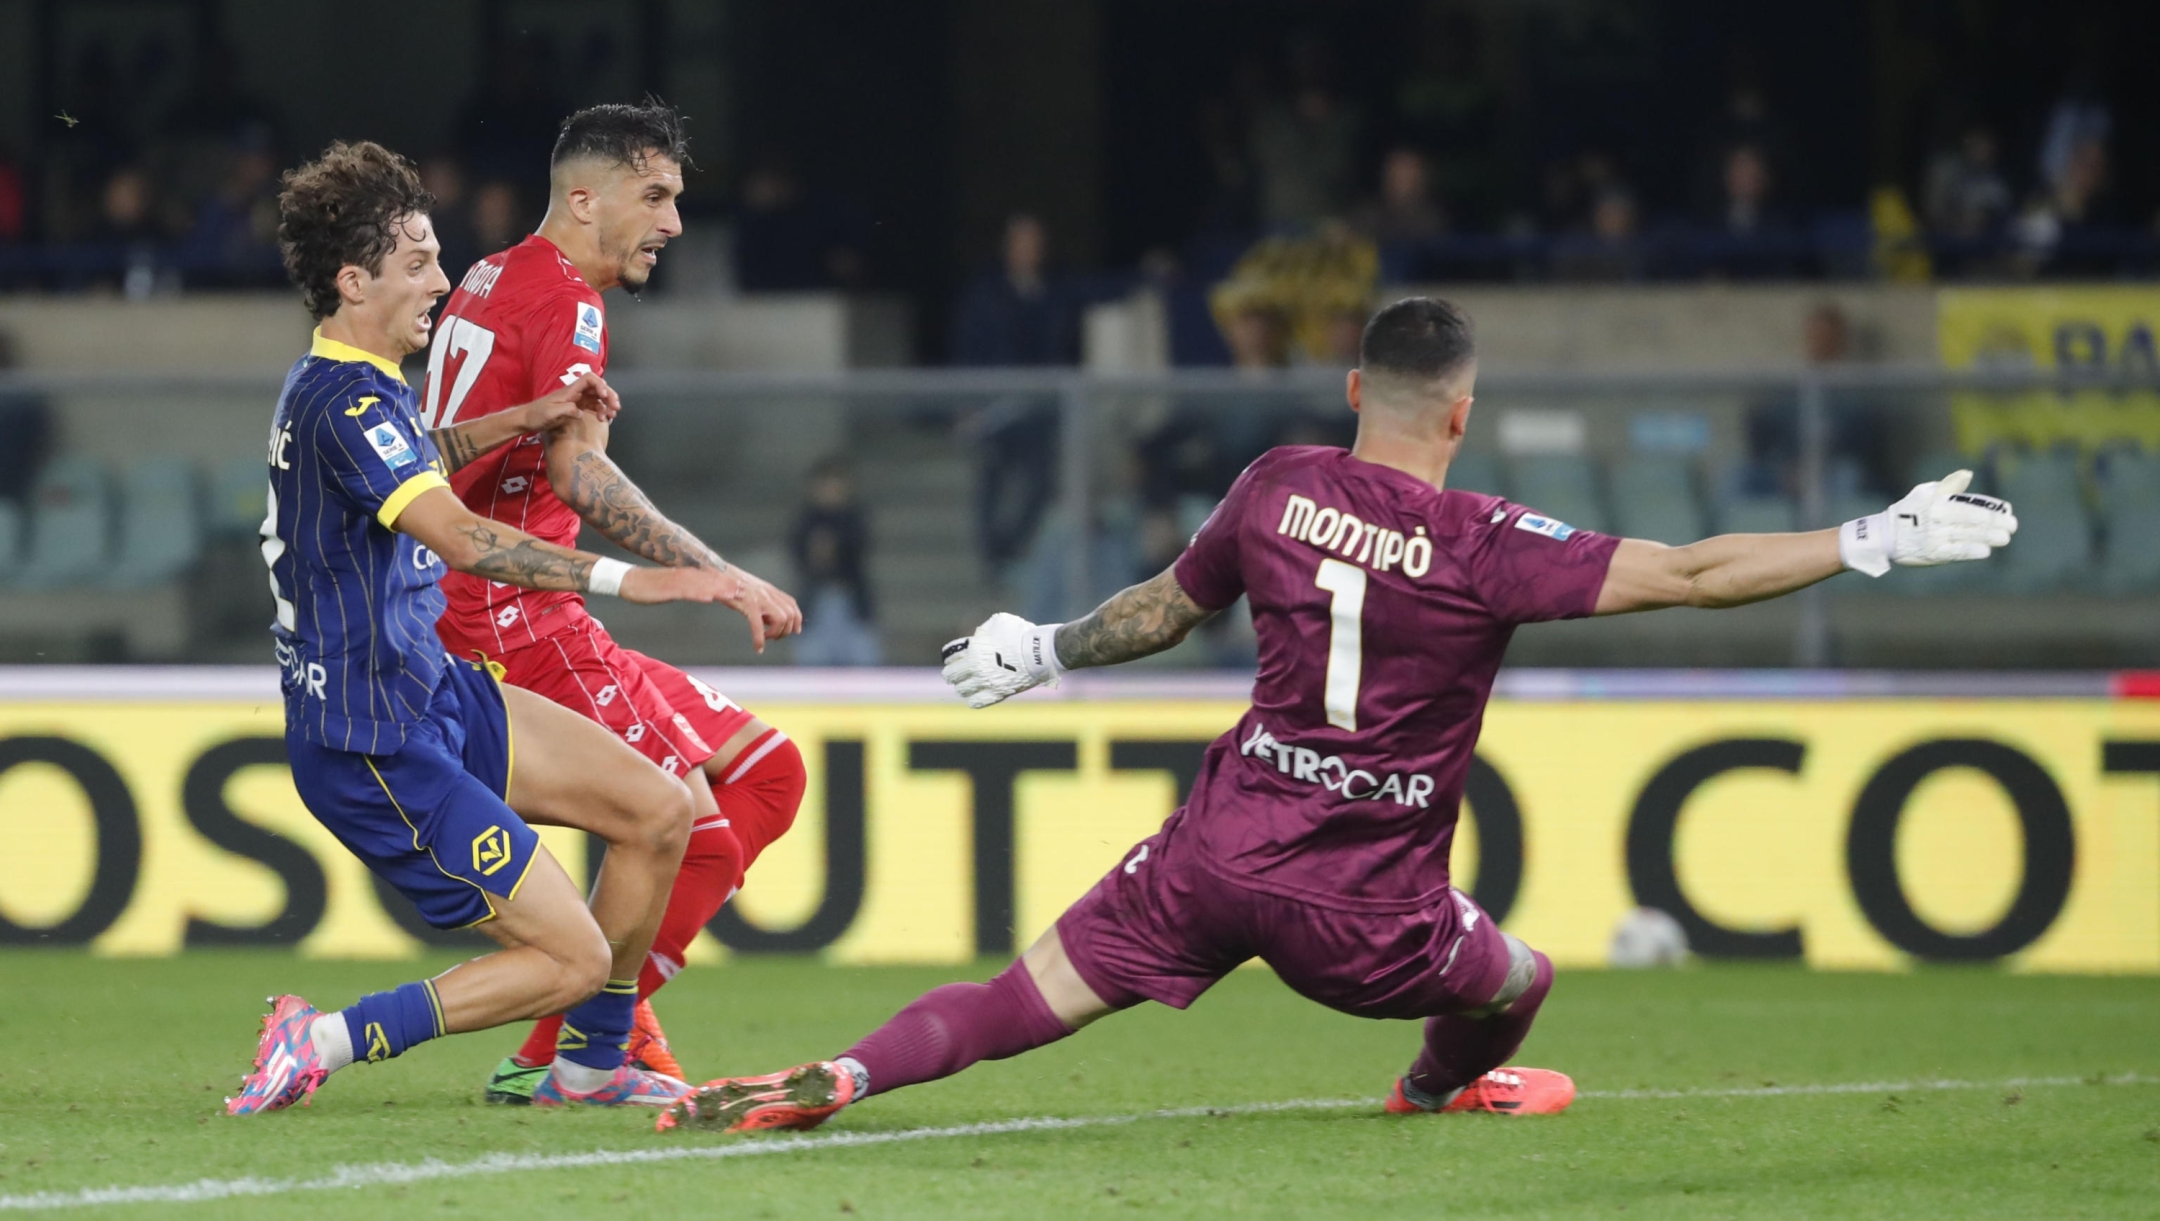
(585, 966)
(656, 816)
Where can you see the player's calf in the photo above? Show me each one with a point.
(1455, 1069)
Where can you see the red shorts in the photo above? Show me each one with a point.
(1164, 927)
(671, 718)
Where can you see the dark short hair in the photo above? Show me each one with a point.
(1418, 337)
(343, 209)
(623, 134)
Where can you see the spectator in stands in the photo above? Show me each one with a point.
(128, 238)
(1404, 217)
(1967, 198)
(1750, 235)
(14, 200)
(453, 217)
(789, 238)
(26, 422)
(1304, 148)
(1015, 312)
(1611, 250)
(234, 238)
(1857, 454)
(2057, 226)
(830, 543)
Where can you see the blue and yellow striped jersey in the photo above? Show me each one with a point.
(356, 601)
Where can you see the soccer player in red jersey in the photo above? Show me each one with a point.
(1317, 834)
(530, 317)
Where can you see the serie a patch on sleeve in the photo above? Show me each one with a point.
(1556, 530)
(390, 446)
(587, 335)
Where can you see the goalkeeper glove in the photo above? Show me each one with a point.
(1005, 656)
(1936, 523)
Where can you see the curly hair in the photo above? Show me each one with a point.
(343, 209)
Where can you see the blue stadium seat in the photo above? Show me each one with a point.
(239, 497)
(1475, 471)
(1653, 497)
(71, 519)
(2127, 479)
(160, 523)
(1562, 486)
(2054, 543)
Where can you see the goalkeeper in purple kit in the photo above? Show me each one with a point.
(1318, 830)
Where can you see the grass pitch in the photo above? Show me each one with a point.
(114, 1071)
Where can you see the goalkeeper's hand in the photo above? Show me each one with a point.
(1936, 523)
(1004, 657)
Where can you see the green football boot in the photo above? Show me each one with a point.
(513, 1083)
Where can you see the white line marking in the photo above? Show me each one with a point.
(380, 1174)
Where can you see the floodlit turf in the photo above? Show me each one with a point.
(113, 1072)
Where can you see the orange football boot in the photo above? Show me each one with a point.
(1503, 1091)
(798, 1099)
(648, 1045)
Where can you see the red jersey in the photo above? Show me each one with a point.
(522, 323)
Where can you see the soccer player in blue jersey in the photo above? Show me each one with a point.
(403, 752)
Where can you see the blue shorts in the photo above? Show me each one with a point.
(430, 819)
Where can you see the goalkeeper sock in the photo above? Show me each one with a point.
(594, 1032)
(948, 1028)
(1460, 1049)
(383, 1024)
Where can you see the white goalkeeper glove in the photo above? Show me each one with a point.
(1936, 523)
(1005, 656)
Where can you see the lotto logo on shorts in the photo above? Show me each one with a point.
(490, 851)
(507, 617)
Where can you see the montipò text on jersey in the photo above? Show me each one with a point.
(1361, 542)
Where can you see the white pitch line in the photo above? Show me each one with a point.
(380, 1174)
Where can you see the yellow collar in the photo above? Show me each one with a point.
(331, 349)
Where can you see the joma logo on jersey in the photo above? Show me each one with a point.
(1344, 534)
(490, 851)
(1334, 775)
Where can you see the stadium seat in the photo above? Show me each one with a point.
(2129, 482)
(239, 494)
(10, 539)
(160, 523)
(2054, 544)
(71, 517)
(1475, 471)
(1759, 515)
(2127, 479)
(1562, 486)
(1653, 497)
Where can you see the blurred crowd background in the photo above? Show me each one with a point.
(1130, 189)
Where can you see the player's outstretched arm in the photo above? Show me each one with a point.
(1936, 523)
(1008, 655)
(589, 481)
(471, 543)
(460, 444)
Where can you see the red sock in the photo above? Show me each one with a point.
(758, 798)
(1458, 1050)
(948, 1028)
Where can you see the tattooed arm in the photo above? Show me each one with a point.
(1145, 619)
(459, 444)
(590, 482)
(471, 543)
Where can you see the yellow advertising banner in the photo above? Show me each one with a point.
(2100, 333)
(1863, 834)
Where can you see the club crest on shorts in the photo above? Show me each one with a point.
(490, 851)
